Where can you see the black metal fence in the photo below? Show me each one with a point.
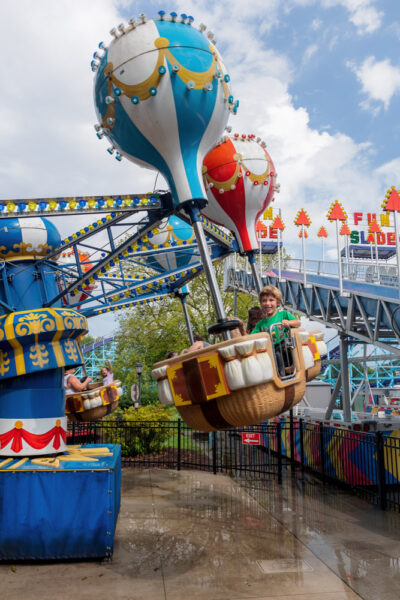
(367, 463)
(172, 444)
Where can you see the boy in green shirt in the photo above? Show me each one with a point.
(270, 300)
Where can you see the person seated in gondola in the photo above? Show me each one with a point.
(270, 300)
(107, 375)
(255, 314)
(72, 384)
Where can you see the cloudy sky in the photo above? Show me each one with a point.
(318, 80)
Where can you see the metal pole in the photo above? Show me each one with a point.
(366, 382)
(334, 395)
(187, 317)
(291, 435)
(304, 255)
(259, 241)
(339, 259)
(279, 449)
(209, 269)
(396, 234)
(344, 369)
(256, 275)
(380, 452)
(178, 466)
(214, 452)
(140, 389)
(235, 302)
(279, 254)
(347, 256)
(323, 255)
(376, 256)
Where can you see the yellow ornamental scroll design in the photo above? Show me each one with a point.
(39, 355)
(34, 323)
(21, 249)
(70, 349)
(73, 320)
(142, 90)
(4, 363)
(43, 249)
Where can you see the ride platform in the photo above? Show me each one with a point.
(67, 509)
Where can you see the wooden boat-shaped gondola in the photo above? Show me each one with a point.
(95, 403)
(238, 382)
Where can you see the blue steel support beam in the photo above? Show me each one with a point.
(370, 314)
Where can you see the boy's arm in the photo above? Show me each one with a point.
(291, 323)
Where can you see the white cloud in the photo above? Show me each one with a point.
(380, 80)
(49, 148)
(310, 51)
(390, 172)
(316, 24)
(47, 141)
(363, 14)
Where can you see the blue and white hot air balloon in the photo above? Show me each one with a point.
(175, 236)
(163, 98)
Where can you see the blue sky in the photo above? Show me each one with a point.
(318, 80)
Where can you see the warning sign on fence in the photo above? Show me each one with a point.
(250, 438)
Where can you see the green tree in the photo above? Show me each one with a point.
(146, 333)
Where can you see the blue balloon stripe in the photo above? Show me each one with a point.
(188, 38)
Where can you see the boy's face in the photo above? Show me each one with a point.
(269, 305)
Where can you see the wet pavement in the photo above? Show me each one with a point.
(191, 534)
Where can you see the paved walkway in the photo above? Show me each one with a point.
(194, 535)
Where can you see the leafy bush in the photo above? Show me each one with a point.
(141, 432)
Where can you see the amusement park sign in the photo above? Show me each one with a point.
(364, 237)
(358, 221)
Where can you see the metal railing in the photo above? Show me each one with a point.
(366, 463)
(172, 444)
(365, 271)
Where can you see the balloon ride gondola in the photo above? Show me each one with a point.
(238, 382)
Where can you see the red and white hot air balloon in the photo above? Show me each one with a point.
(239, 177)
(68, 258)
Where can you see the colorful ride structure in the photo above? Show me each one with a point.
(36, 341)
(162, 95)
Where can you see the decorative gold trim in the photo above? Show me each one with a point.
(142, 89)
(227, 185)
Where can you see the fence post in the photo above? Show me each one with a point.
(301, 443)
(178, 466)
(214, 453)
(279, 449)
(322, 449)
(291, 438)
(380, 448)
